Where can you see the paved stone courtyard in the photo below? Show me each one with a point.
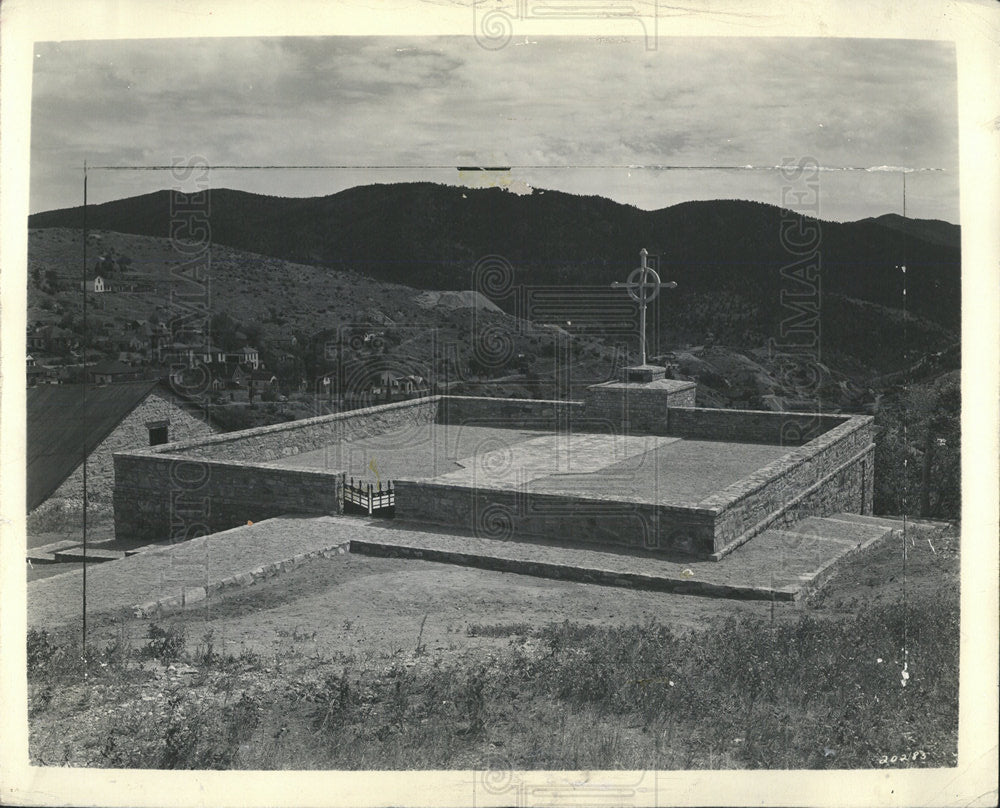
(641, 468)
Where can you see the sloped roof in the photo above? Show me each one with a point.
(112, 366)
(60, 430)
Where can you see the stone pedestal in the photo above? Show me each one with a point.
(644, 373)
(640, 402)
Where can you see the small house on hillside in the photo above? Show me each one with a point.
(35, 339)
(96, 284)
(246, 355)
(240, 376)
(262, 381)
(211, 355)
(38, 374)
(133, 282)
(112, 372)
(413, 384)
(51, 338)
(157, 336)
(184, 354)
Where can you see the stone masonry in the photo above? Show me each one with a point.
(132, 433)
(637, 407)
(209, 484)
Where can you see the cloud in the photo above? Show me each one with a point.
(360, 101)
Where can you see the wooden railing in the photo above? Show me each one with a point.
(368, 497)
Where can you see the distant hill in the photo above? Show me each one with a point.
(429, 236)
(933, 231)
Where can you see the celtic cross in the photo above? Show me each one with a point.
(643, 285)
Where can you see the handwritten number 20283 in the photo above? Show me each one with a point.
(886, 760)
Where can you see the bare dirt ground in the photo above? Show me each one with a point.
(357, 606)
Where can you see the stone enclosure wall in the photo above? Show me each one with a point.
(831, 473)
(504, 514)
(282, 440)
(161, 497)
(749, 426)
(515, 413)
(190, 488)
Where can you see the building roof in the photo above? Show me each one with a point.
(112, 367)
(60, 430)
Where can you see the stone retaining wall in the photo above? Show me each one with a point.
(831, 473)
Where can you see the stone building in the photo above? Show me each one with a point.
(64, 421)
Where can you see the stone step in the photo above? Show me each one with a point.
(854, 536)
(45, 554)
(850, 532)
(94, 554)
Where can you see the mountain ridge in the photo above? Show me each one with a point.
(429, 236)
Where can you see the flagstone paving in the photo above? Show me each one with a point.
(639, 468)
(779, 564)
(170, 576)
(547, 455)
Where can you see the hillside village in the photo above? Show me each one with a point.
(131, 331)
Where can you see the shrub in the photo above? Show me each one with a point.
(165, 644)
(41, 651)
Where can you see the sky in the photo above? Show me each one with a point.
(595, 116)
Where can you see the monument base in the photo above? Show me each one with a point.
(644, 373)
(636, 404)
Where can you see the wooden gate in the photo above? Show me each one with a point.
(366, 498)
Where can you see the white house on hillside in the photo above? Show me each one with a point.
(245, 356)
(96, 284)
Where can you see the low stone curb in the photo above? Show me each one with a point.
(93, 555)
(46, 553)
(543, 569)
(194, 594)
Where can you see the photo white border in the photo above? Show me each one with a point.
(973, 26)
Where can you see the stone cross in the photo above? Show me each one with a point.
(643, 285)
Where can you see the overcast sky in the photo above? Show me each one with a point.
(580, 115)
